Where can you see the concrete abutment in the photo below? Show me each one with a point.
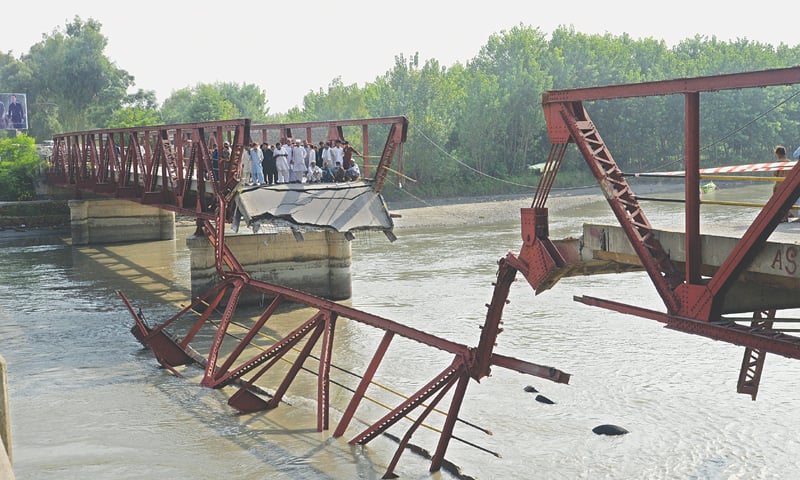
(319, 265)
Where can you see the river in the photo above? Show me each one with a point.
(88, 402)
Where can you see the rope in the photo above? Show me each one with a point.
(473, 169)
(413, 196)
(400, 174)
(366, 397)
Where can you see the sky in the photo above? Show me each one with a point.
(289, 49)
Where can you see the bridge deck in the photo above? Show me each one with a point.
(343, 207)
(771, 280)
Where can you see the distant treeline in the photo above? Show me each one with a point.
(475, 128)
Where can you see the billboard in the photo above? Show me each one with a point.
(13, 111)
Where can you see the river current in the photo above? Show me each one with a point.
(87, 402)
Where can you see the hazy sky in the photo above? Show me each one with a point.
(291, 48)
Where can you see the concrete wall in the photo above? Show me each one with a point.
(319, 265)
(6, 473)
(111, 221)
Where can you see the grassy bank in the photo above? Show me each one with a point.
(36, 213)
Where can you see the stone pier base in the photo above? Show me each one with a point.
(111, 221)
(319, 265)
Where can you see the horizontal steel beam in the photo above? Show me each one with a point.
(713, 83)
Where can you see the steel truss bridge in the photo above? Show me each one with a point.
(145, 165)
(694, 303)
(146, 168)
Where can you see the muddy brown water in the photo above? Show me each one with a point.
(88, 402)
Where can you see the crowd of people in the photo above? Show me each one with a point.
(289, 161)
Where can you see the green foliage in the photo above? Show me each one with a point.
(19, 168)
(212, 102)
(138, 109)
(249, 99)
(67, 76)
(339, 102)
(475, 127)
(486, 117)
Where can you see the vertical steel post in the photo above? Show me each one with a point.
(324, 373)
(450, 422)
(692, 133)
(365, 150)
(365, 381)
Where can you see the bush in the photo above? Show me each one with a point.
(19, 167)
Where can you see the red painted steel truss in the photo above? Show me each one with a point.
(693, 304)
(172, 166)
(145, 165)
(243, 368)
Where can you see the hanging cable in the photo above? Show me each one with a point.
(438, 147)
(733, 132)
(473, 169)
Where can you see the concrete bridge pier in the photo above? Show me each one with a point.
(99, 221)
(319, 265)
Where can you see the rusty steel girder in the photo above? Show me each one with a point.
(693, 304)
(170, 166)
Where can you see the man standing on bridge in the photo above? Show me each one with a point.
(256, 157)
(780, 156)
(298, 163)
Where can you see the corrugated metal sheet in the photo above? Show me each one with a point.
(344, 207)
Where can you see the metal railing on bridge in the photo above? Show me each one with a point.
(175, 166)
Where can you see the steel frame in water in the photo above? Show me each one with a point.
(318, 330)
(155, 174)
(693, 304)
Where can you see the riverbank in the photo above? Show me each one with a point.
(500, 208)
(484, 210)
(481, 211)
(414, 213)
(34, 218)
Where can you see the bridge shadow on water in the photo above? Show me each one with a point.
(284, 441)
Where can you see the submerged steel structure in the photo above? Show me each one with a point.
(143, 165)
(694, 303)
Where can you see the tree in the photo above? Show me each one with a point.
(211, 102)
(138, 109)
(340, 101)
(249, 99)
(502, 122)
(68, 74)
